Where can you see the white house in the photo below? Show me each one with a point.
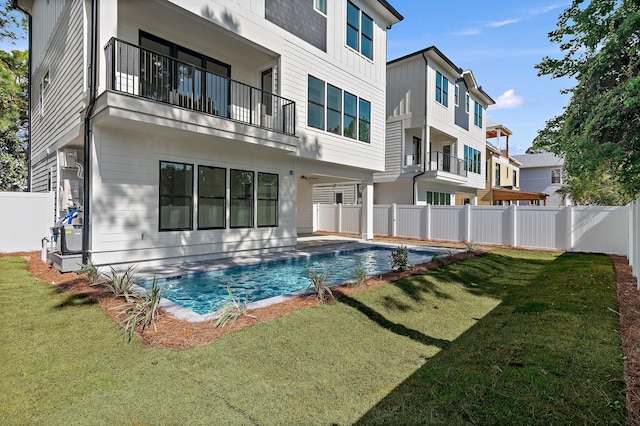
(435, 137)
(184, 127)
(543, 172)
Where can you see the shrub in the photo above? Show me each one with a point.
(120, 283)
(143, 311)
(320, 283)
(439, 256)
(470, 247)
(400, 259)
(90, 270)
(232, 310)
(361, 275)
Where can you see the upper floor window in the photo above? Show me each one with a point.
(477, 115)
(466, 103)
(556, 176)
(320, 5)
(497, 177)
(472, 160)
(515, 179)
(347, 115)
(442, 89)
(456, 95)
(359, 30)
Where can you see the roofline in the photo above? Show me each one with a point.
(429, 49)
(391, 9)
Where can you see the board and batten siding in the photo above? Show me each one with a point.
(393, 147)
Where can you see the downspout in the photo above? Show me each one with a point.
(15, 6)
(93, 58)
(424, 131)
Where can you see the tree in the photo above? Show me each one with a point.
(598, 133)
(13, 120)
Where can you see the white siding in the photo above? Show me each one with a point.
(45, 24)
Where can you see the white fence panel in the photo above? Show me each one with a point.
(542, 227)
(409, 221)
(447, 223)
(491, 225)
(382, 220)
(634, 238)
(351, 218)
(25, 219)
(328, 217)
(601, 229)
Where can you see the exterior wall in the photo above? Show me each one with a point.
(299, 18)
(326, 193)
(56, 120)
(461, 114)
(394, 192)
(125, 204)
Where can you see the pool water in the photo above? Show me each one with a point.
(207, 291)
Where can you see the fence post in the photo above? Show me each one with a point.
(467, 223)
(569, 224)
(339, 212)
(314, 217)
(428, 219)
(394, 220)
(514, 225)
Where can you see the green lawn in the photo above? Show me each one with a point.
(511, 337)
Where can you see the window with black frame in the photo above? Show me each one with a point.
(241, 208)
(212, 184)
(176, 196)
(267, 199)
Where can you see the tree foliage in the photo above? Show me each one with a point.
(599, 131)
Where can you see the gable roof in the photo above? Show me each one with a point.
(544, 159)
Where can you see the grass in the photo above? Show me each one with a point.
(511, 337)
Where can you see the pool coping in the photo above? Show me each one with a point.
(186, 268)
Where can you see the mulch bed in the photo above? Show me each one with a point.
(180, 334)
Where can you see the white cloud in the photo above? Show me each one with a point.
(468, 32)
(495, 24)
(508, 99)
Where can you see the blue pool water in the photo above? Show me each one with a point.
(207, 291)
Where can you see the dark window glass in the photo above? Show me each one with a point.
(353, 26)
(267, 199)
(315, 109)
(176, 196)
(364, 121)
(241, 208)
(212, 184)
(350, 111)
(367, 36)
(334, 110)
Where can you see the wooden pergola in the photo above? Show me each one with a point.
(500, 194)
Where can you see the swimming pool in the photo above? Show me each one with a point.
(207, 291)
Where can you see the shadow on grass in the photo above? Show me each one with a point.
(77, 299)
(537, 346)
(393, 327)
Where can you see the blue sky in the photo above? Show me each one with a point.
(500, 41)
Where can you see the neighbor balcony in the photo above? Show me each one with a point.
(139, 72)
(442, 162)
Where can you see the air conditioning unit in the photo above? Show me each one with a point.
(409, 160)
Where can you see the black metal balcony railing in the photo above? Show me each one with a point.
(137, 71)
(446, 163)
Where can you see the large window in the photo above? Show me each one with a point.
(212, 188)
(364, 123)
(315, 107)
(350, 114)
(442, 89)
(241, 208)
(477, 115)
(472, 160)
(438, 198)
(359, 30)
(334, 109)
(346, 114)
(267, 199)
(176, 196)
(556, 176)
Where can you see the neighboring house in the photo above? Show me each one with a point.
(435, 139)
(502, 184)
(184, 127)
(337, 193)
(543, 173)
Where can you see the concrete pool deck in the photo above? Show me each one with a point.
(307, 245)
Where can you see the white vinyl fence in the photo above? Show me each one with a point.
(25, 218)
(584, 229)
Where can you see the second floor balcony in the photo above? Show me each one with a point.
(150, 75)
(443, 162)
